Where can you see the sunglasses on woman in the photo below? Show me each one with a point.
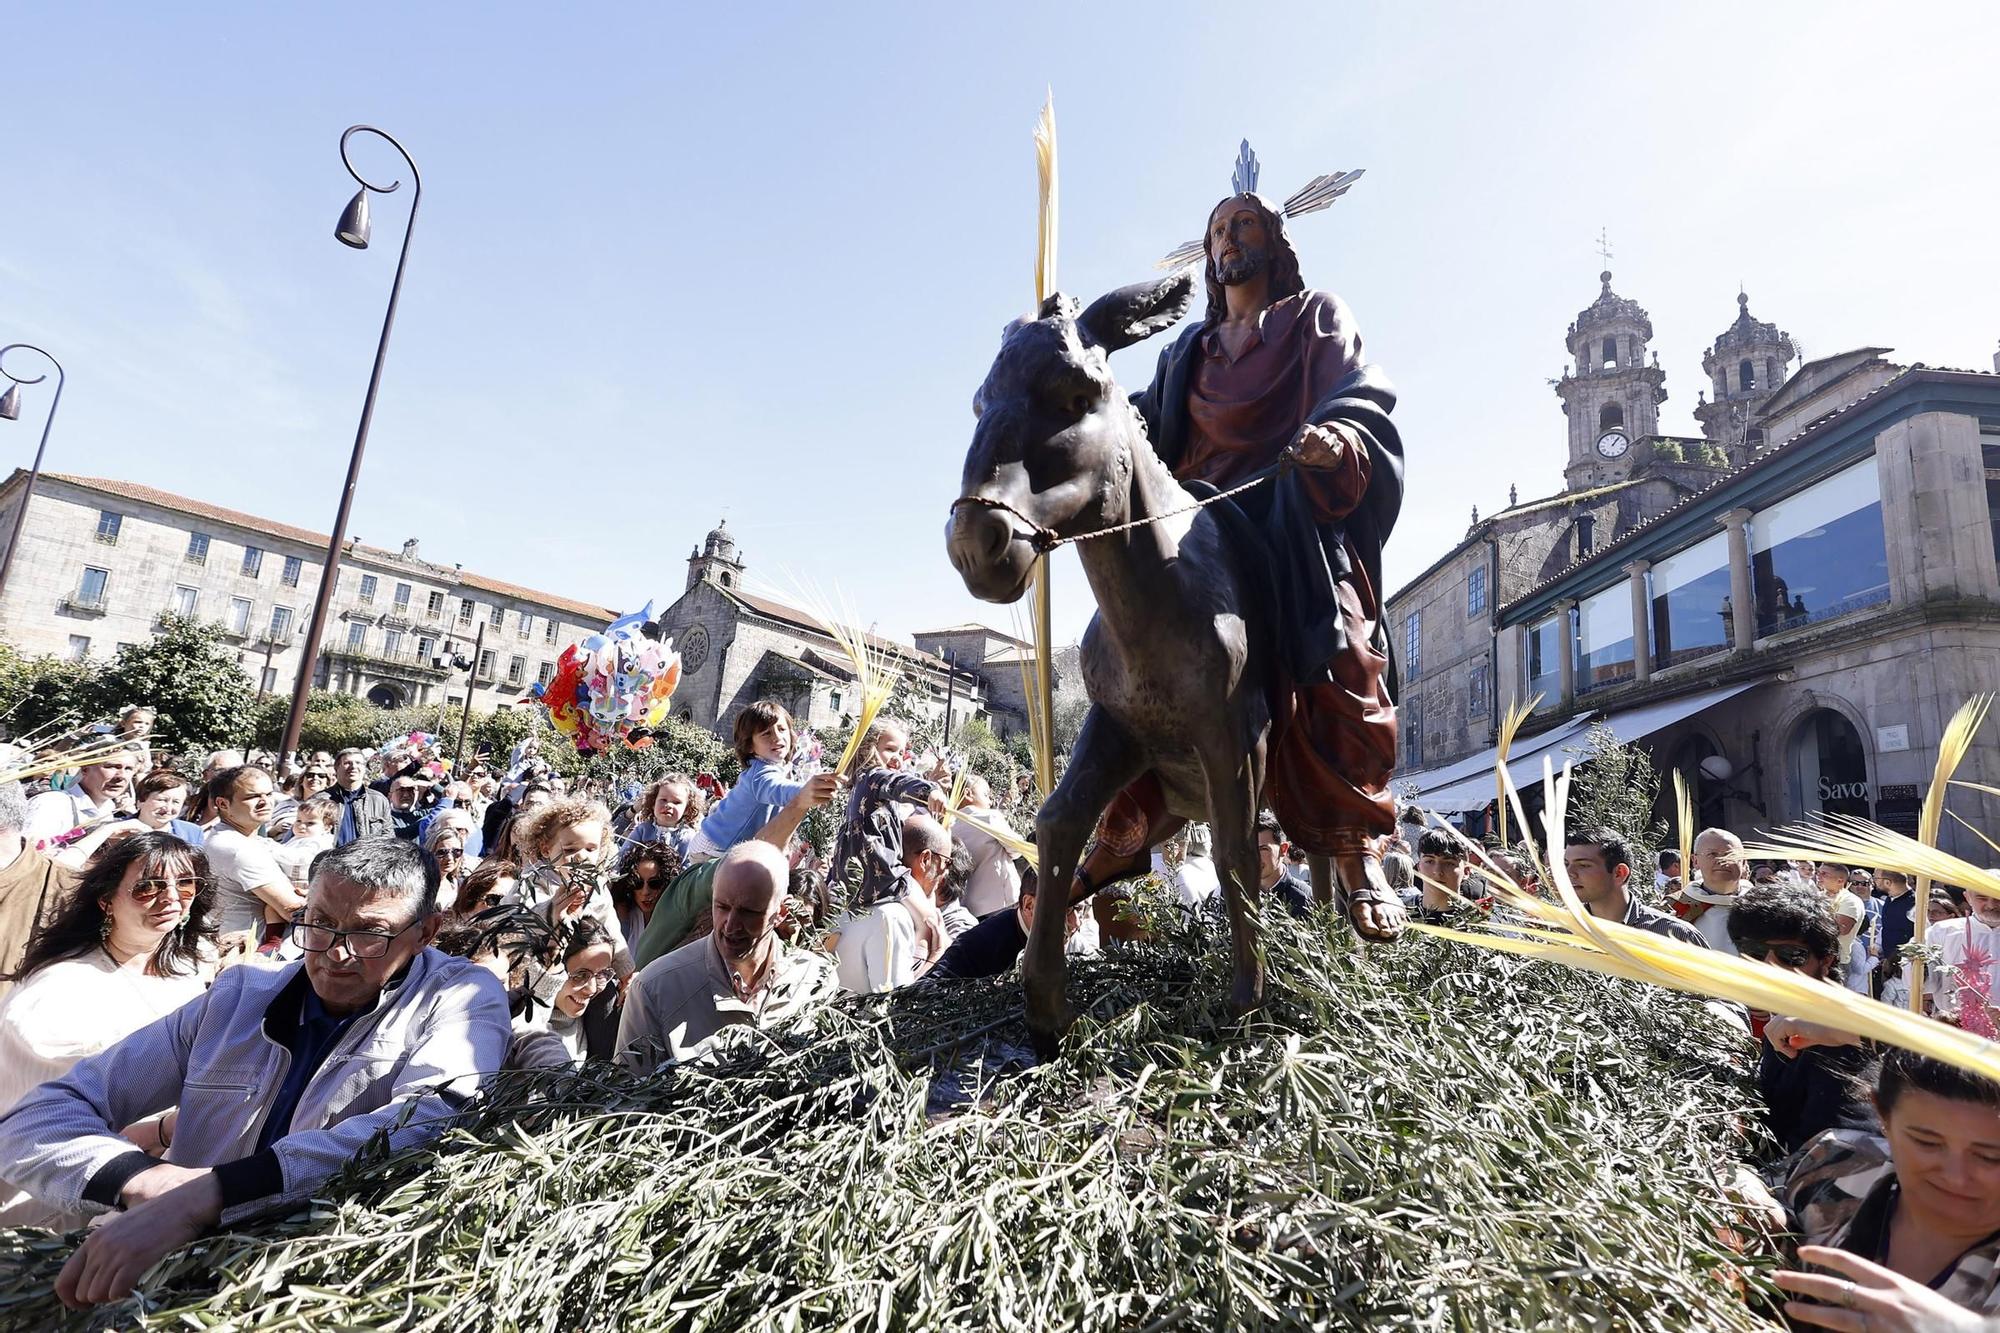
(151, 891)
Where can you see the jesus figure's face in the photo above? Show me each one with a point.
(1239, 245)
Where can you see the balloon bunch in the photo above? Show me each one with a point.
(613, 688)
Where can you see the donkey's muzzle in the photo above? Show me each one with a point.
(989, 552)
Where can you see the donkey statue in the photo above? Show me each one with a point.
(1177, 660)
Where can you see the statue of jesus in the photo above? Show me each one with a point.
(1272, 380)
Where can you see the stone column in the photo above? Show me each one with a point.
(1568, 659)
(1642, 622)
(1510, 666)
(1736, 523)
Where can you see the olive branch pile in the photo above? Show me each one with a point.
(1428, 1136)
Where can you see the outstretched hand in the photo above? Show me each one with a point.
(116, 1254)
(1871, 1297)
(1319, 446)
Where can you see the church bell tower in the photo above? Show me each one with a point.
(1610, 393)
(1745, 367)
(716, 561)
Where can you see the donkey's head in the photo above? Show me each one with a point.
(1052, 451)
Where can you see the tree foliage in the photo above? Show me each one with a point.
(40, 693)
(1616, 784)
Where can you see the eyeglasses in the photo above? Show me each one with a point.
(152, 891)
(360, 943)
(583, 976)
(317, 776)
(645, 881)
(450, 854)
(1786, 955)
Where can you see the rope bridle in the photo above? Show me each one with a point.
(1045, 539)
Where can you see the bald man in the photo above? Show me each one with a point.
(741, 972)
(1719, 860)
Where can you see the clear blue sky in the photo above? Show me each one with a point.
(754, 260)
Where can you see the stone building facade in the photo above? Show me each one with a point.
(737, 647)
(1620, 473)
(100, 561)
(1796, 638)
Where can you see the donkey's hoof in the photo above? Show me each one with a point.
(1046, 1030)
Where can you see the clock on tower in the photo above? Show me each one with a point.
(1612, 444)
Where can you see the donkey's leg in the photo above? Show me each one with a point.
(1235, 779)
(1103, 760)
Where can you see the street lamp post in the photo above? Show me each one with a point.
(471, 684)
(352, 230)
(10, 410)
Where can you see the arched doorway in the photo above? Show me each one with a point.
(1830, 765)
(1707, 792)
(386, 696)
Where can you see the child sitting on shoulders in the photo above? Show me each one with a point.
(763, 739)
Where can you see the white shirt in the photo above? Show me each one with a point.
(242, 864)
(877, 949)
(1196, 883)
(55, 813)
(1968, 963)
(75, 1008)
(995, 883)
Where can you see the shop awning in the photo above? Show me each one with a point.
(1468, 784)
(1636, 723)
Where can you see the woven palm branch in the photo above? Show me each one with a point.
(1510, 724)
(1006, 837)
(1684, 826)
(874, 670)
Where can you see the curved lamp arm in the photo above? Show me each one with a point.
(35, 470)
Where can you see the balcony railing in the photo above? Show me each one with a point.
(82, 604)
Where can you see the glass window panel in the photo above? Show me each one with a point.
(253, 561)
(91, 591)
(197, 552)
(281, 621)
(1604, 638)
(79, 647)
(1546, 641)
(392, 643)
(435, 606)
(1692, 609)
(357, 634)
(402, 596)
(1821, 553)
(185, 600)
(239, 615)
(294, 566)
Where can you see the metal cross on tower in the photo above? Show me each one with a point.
(1604, 244)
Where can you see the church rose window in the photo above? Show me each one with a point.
(1692, 613)
(1820, 554)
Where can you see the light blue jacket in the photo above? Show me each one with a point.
(753, 802)
(404, 1069)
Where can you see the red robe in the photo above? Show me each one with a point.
(1334, 742)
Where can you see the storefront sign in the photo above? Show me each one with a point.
(1892, 740)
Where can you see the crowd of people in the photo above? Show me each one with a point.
(216, 988)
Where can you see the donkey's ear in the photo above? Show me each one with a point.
(1134, 314)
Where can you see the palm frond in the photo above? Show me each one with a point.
(1006, 837)
(1510, 725)
(1684, 826)
(874, 668)
(1851, 840)
(1616, 949)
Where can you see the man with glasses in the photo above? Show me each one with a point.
(282, 1075)
(882, 946)
(1809, 1091)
